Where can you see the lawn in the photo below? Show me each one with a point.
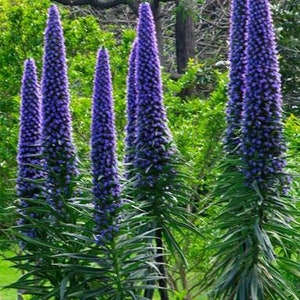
(7, 275)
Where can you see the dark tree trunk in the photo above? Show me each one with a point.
(156, 10)
(184, 33)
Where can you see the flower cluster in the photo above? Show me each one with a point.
(29, 148)
(236, 87)
(58, 148)
(131, 111)
(262, 142)
(153, 141)
(106, 187)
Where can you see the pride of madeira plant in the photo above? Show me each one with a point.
(131, 111)
(256, 213)
(44, 259)
(157, 184)
(114, 261)
(106, 185)
(236, 88)
(89, 245)
(29, 149)
(58, 148)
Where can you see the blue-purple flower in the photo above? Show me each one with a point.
(153, 141)
(106, 187)
(236, 87)
(29, 147)
(131, 111)
(58, 148)
(262, 141)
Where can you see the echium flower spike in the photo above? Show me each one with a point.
(131, 111)
(106, 186)
(236, 86)
(30, 132)
(58, 148)
(153, 140)
(262, 142)
(154, 161)
(29, 147)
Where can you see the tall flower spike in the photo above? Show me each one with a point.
(58, 148)
(236, 87)
(106, 187)
(153, 136)
(131, 111)
(30, 132)
(262, 143)
(29, 148)
(155, 180)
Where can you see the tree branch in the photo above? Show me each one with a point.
(104, 4)
(100, 4)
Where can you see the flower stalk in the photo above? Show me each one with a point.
(29, 147)
(131, 111)
(58, 149)
(106, 186)
(236, 86)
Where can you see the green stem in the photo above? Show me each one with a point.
(162, 282)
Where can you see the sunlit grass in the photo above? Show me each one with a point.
(7, 276)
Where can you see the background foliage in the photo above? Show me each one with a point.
(197, 121)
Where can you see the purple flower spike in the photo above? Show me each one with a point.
(58, 148)
(131, 113)
(106, 187)
(30, 133)
(262, 143)
(153, 142)
(29, 148)
(236, 87)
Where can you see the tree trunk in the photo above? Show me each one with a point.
(156, 10)
(184, 33)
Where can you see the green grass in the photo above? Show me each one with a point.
(7, 276)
